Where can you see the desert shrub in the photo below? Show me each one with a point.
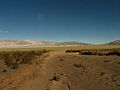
(118, 62)
(73, 51)
(61, 59)
(4, 70)
(76, 51)
(86, 53)
(68, 51)
(99, 52)
(113, 53)
(13, 58)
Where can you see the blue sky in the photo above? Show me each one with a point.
(94, 21)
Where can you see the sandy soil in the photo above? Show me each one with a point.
(61, 71)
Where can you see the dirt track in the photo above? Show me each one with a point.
(60, 71)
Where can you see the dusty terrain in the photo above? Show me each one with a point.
(61, 71)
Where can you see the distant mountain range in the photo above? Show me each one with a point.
(116, 42)
(47, 43)
(38, 43)
(25, 42)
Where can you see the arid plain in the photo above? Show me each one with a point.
(56, 69)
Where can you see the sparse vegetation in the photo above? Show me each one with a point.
(61, 59)
(75, 51)
(114, 53)
(60, 68)
(4, 70)
(100, 52)
(13, 58)
(118, 62)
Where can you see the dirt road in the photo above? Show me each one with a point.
(60, 71)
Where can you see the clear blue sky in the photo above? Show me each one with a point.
(95, 21)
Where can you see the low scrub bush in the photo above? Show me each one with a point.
(113, 53)
(74, 51)
(13, 58)
(100, 52)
